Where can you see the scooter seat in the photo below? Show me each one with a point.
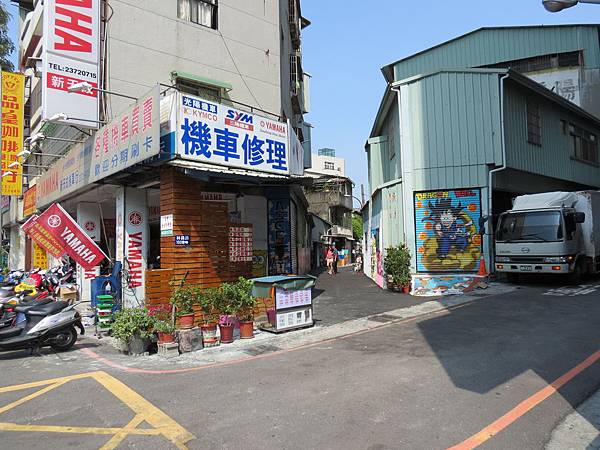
(24, 307)
(47, 309)
(32, 299)
(11, 331)
(6, 294)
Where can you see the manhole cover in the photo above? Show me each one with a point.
(261, 349)
(383, 318)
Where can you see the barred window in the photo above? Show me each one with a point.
(584, 145)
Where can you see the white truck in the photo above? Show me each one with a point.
(552, 232)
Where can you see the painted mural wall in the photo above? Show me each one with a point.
(447, 230)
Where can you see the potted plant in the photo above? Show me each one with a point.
(183, 300)
(245, 303)
(133, 327)
(227, 308)
(397, 268)
(207, 299)
(165, 330)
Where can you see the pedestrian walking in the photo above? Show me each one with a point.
(358, 263)
(329, 259)
(336, 257)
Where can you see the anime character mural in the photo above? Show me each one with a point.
(448, 238)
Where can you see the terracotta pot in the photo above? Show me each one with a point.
(246, 329)
(209, 335)
(165, 338)
(406, 289)
(186, 321)
(226, 333)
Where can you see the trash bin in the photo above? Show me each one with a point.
(292, 301)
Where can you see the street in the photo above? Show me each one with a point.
(428, 383)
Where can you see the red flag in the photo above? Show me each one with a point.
(42, 237)
(75, 242)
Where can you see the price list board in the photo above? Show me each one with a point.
(240, 244)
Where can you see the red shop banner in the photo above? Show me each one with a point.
(42, 237)
(74, 241)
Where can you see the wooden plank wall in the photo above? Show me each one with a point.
(158, 289)
(206, 259)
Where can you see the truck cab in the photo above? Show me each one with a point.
(540, 240)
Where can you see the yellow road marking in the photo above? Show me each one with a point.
(5, 426)
(144, 411)
(29, 397)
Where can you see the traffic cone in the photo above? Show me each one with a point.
(482, 272)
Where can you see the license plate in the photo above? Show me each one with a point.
(526, 268)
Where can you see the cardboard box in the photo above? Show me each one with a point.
(67, 293)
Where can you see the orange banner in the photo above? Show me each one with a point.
(13, 103)
(29, 201)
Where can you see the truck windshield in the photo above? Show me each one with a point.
(543, 226)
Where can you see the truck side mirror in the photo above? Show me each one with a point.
(482, 222)
(579, 217)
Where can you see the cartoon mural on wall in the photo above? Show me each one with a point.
(447, 234)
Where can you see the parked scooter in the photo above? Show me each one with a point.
(50, 325)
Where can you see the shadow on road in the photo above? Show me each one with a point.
(492, 342)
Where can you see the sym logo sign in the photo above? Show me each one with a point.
(239, 119)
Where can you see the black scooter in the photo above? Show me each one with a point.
(49, 325)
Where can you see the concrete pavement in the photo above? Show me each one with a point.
(423, 382)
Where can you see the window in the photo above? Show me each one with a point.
(202, 12)
(534, 123)
(584, 145)
(329, 166)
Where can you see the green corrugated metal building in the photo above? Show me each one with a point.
(465, 126)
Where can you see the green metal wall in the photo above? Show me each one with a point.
(553, 157)
(393, 226)
(491, 46)
(454, 130)
(376, 158)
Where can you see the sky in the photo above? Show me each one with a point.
(350, 40)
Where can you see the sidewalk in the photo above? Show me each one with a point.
(579, 430)
(382, 309)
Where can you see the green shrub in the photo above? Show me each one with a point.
(131, 321)
(397, 264)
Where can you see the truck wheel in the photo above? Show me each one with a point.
(512, 278)
(64, 340)
(575, 276)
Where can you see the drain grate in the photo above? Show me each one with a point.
(261, 349)
(383, 318)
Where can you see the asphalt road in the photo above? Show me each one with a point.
(425, 384)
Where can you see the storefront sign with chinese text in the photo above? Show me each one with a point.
(182, 239)
(70, 56)
(38, 234)
(166, 225)
(29, 197)
(130, 139)
(213, 133)
(240, 244)
(40, 258)
(292, 299)
(12, 132)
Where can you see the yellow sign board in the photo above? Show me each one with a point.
(40, 257)
(13, 103)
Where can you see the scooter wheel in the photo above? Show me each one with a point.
(64, 340)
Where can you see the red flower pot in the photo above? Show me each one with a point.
(226, 333)
(406, 289)
(165, 338)
(186, 321)
(246, 329)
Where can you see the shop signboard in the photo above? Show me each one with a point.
(240, 244)
(294, 318)
(166, 225)
(12, 132)
(446, 228)
(71, 238)
(259, 263)
(70, 56)
(214, 133)
(33, 228)
(279, 237)
(29, 207)
(127, 140)
(182, 239)
(564, 82)
(40, 258)
(285, 299)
